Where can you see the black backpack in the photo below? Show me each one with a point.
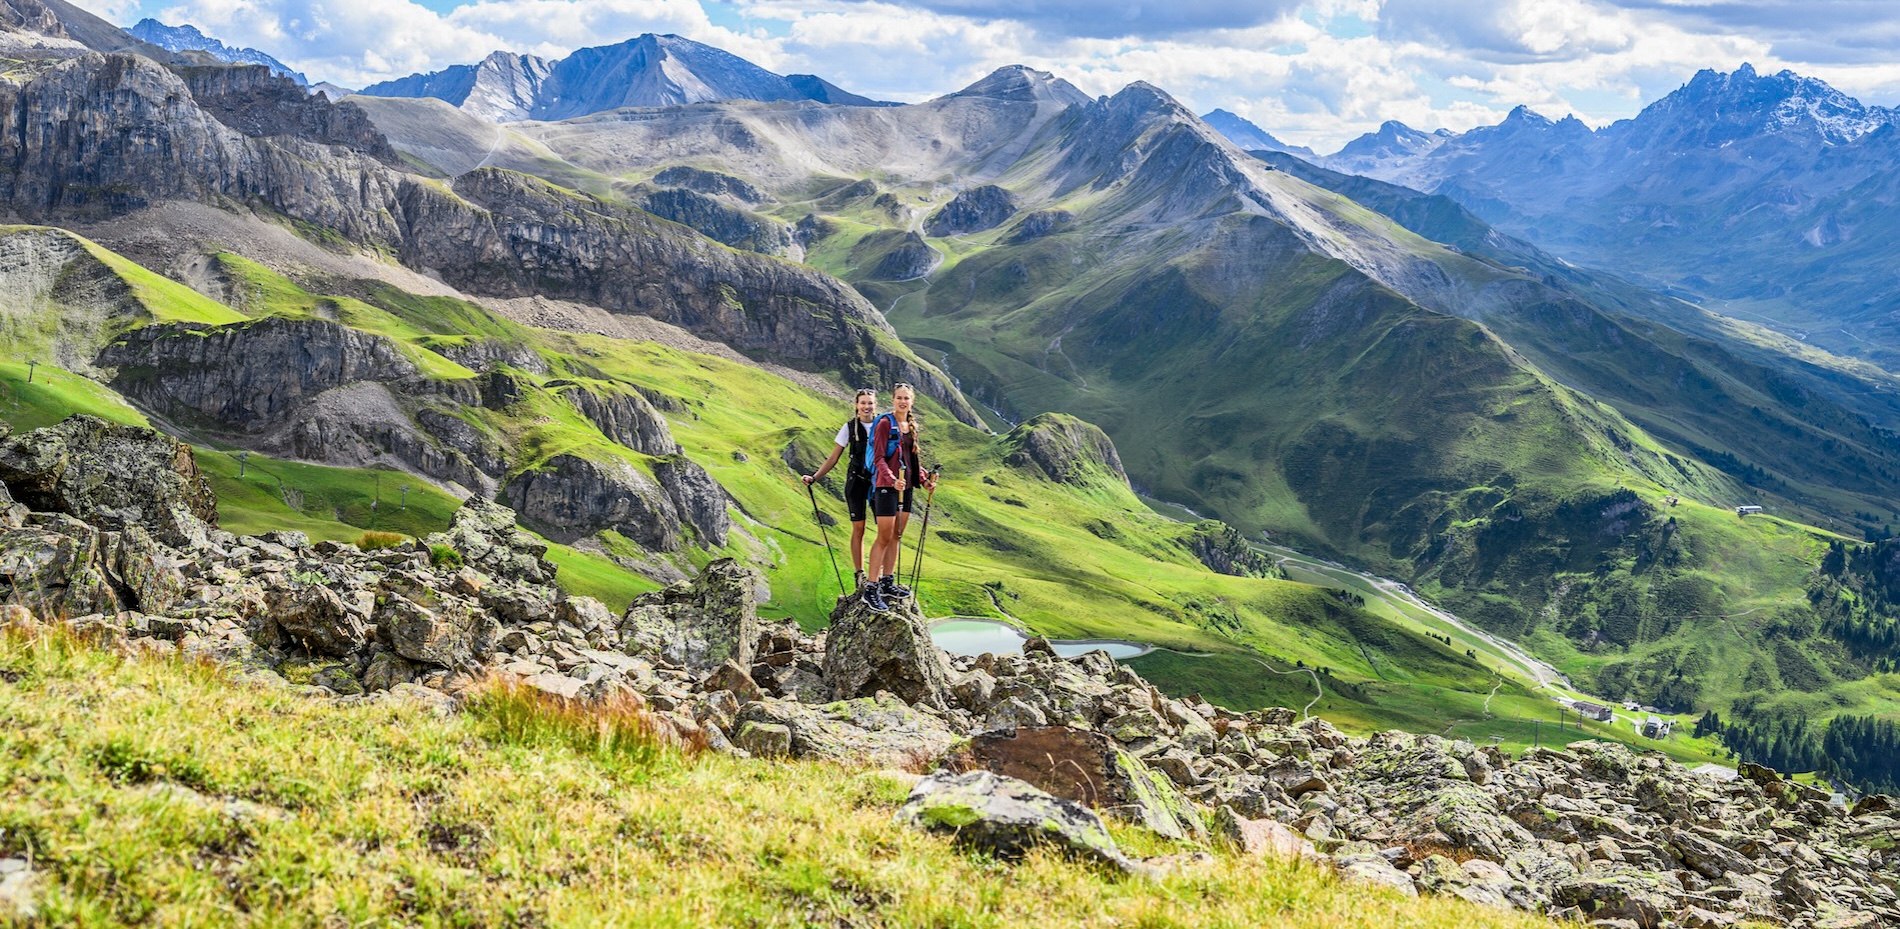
(860, 437)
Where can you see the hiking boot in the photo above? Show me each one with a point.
(875, 600)
(889, 587)
(858, 580)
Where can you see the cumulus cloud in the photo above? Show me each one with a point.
(1314, 72)
(1111, 19)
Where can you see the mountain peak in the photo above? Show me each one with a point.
(1021, 82)
(188, 38)
(647, 70)
(1250, 137)
(1725, 107)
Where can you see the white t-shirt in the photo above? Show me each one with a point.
(844, 433)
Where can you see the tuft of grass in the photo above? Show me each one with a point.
(518, 812)
(375, 541)
(618, 731)
(445, 556)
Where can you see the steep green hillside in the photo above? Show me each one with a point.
(1026, 527)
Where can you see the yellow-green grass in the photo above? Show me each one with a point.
(167, 300)
(518, 814)
(55, 394)
(591, 574)
(324, 502)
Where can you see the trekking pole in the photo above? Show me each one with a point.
(917, 563)
(819, 518)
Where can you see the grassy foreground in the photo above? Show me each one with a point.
(275, 809)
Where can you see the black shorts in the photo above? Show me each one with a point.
(885, 501)
(857, 495)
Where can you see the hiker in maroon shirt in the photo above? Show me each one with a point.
(895, 474)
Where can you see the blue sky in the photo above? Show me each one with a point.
(1315, 72)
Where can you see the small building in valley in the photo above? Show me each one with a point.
(1594, 711)
(1656, 727)
(1747, 510)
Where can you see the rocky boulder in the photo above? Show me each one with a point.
(698, 624)
(570, 497)
(1089, 768)
(55, 569)
(867, 651)
(624, 416)
(880, 732)
(1007, 818)
(111, 476)
(485, 534)
(321, 619)
(1039, 224)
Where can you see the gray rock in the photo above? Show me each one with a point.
(436, 629)
(55, 574)
(1089, 768)
(1640, 898)
(867, 651)
(1374, 869)
(973, 210)
(883, 731)
(111, 476)
(697, 624)
(485, 534)
(569, 497)
(764, 740)
(1007, 817)
(19, 890)
(386, 670)
(319, 619)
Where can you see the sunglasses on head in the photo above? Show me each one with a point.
(867, 390)
(900, 385)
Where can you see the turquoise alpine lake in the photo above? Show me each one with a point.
(977, 636)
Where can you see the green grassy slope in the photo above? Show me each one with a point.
(1082, 560)
(515, 814)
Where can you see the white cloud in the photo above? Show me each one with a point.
(1327, 72)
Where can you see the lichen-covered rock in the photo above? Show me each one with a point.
(433, 628)
(321, 619)
(55, 569)
(882, 732)
(698, 624)
(1373, 868)
(867, 651)
(485, 534)
(111, 476)
(1007, 817)
(1088, 767)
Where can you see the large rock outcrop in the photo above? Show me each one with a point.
(485, 535)
(1065, 449)
(973, 210)
(867, 651)
(111, 476)
(699, 624)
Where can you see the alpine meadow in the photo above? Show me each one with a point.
(404, 514)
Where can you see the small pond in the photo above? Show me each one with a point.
(976, 636)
